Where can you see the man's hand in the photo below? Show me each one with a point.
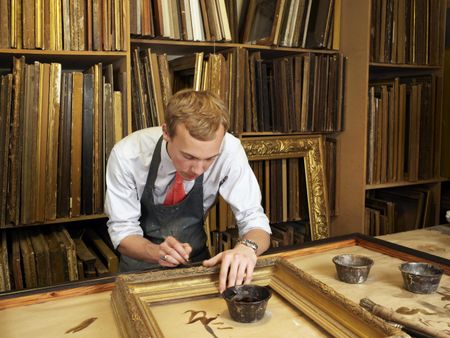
(237, 266)
(173, 253)
(169, 253)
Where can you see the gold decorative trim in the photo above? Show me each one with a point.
(311, 148)
(135, 296)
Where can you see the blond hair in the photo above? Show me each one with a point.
(201, 112)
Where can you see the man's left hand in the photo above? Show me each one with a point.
(236, 267)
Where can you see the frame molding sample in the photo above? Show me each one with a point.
(311, 149)
(136, 297)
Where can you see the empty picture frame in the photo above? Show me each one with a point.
(311, 149)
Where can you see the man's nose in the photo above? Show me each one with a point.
(199, 167)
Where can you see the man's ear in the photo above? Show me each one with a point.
(165, 132)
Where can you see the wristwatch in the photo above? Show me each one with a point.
(248, 243)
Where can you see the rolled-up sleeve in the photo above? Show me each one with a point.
(242, 192)
(122, 204)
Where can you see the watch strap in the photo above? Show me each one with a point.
(249, 243)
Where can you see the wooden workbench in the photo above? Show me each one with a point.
(52, 312)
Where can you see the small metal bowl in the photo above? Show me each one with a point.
(247, 303)
(352, 269)
(421, 277)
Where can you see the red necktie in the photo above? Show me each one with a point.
(176, 192)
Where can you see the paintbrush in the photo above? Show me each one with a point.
(410, 327)
(190, 264)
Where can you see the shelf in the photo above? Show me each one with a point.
(404, 184)
(69, 59)
(58, 221)
(271, 133)
(63, 53)
(177, 46)
(376, 65)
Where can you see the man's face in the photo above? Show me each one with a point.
(192, 157)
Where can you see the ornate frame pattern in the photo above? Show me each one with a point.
(135, 296)
(311, 148)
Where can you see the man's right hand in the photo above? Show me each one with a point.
(169, 253)
(173, 253)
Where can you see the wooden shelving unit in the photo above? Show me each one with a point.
(352, 142)
(179, 48)
(71, 61)
(351, 38)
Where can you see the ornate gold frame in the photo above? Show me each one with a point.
(136, 296)
(311, 148)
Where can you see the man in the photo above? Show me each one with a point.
(151, 223)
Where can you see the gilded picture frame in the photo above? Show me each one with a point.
(136, 298)
(311, 148)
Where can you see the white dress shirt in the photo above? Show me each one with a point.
(127, 171)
